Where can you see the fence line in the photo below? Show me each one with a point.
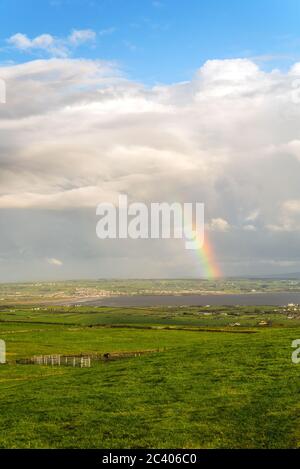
(82, 361)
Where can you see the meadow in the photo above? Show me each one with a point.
(209, 383)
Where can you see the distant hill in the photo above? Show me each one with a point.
(288, 276)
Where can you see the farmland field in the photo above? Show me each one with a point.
(104, 288)
(216, 377)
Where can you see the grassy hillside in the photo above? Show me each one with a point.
(209, 383)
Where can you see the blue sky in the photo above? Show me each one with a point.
(163, 40)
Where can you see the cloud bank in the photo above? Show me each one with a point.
(75, 133)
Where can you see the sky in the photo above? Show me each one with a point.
(188, 101)
(159, 41)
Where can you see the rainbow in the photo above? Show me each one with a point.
(205, 252)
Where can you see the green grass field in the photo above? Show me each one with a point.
(209, 385)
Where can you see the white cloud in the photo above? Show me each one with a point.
(107, 31)
(58, 47)
(55, 262)
(84, 127)
(288, 219)
(80, 36)
(218, 224)
(283, 227)
(20, 41)
(249, 228)
(253, 215)
(292, 206)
